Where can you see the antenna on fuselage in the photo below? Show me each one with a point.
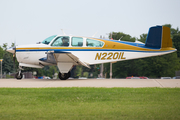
(95, 34)
(120, 38)
(63, 32)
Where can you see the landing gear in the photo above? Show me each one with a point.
(64, 76)
(19, 75)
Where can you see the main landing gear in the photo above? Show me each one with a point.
(19, 75)
(64, 76)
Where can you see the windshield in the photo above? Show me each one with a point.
(61, 41)
(49, 39)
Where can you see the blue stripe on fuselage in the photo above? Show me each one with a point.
(65, 50)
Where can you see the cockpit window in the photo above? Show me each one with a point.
(49, 39)
(77, 41)
(94, 43)
(62, 41)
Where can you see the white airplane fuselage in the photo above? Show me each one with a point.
(67, 51)
(33, 53)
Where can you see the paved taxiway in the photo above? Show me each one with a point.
(134, 83)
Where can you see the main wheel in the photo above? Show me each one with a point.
(19, 76)
(64, 76)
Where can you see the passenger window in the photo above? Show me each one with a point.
(77, 41)
(62, 41)
(94, 43)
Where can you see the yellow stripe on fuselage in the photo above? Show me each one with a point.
(108, 45)
(121, 46)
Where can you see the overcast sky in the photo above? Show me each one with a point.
(31, 21)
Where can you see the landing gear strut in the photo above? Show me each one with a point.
(19, 75)
(64, 76)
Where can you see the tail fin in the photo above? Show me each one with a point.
(159, 37)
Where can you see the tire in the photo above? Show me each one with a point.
(64, 76)
(19, 77)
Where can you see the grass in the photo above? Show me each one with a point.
(90, 103)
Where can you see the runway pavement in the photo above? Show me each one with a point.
(109, 83)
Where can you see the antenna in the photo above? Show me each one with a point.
(95, 34)
(63, 32)
(120, 38)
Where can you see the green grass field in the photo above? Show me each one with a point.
(90, 103)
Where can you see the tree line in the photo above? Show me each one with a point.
(153, 67)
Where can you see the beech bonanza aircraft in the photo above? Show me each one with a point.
(67, 51)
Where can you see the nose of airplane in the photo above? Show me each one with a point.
(11, 50)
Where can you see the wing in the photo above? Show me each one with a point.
(64, 60)
(68, 57)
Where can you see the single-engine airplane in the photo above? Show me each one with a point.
(67, 51)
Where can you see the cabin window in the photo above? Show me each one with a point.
(62, 41)
(49, 39)
(94, 43)
(77, 41)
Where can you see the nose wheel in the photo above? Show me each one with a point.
(19, 75)
(64, 76)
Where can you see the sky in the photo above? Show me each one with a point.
(31, 21)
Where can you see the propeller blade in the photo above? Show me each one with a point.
(14, 57)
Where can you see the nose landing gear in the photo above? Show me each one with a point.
(19, 75)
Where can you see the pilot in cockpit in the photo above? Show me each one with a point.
(65, 41)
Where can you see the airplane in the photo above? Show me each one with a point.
(66, 51)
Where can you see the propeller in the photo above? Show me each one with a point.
(14, 57)
(13, 51)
